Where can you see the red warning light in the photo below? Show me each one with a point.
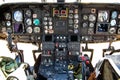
(63, 11)
(56, 11)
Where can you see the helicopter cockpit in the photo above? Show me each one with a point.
(66, 35)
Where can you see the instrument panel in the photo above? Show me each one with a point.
(92, 22)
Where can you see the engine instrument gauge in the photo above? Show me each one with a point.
(113, 22)
(28, 21)
(76, 16)
(91, 24)
(28, 13)
(18, 16)
(92, 17)
(76, 26)
(50, 27)
(7, 16)
(45, 18)
(114, 14)
(36, 30)
(45, 23)
(36, 22)
(71, 16)
(8, 23)
(70, 21)
(29, 30)
(102, 16)
(85, 17)
(45, 27)
(50, 23)
(85, 24)
(76, 21)
(112, 30)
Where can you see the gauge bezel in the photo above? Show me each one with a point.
(85, 17)
(111, 22)
(115, 16)
(93, 15)
(31, 30)
(9, 14)
(26, 20)
(14, 16)
(37, 31)
(111, 29)
(100, 11)
(26, 15)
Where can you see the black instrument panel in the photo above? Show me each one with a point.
(92, 22)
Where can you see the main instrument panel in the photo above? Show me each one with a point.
(92, 22)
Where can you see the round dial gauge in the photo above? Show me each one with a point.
(92, 17)
(50, 23)
(76, 31)
(9, 30)
(46, 27)
(85, 17)
(28, 22)
(76, 26)
(76, 16)
(50, 27)
(45, 23)
(85, 24)
(36, 30)
(112, 30)
(91, 25)
(70, 15)
(36, 22)
(102, 16)
(8, 23)
(46, 31)
(7, 16)
(28, 13)
(70, 21)
(45, 18)
(76, 21)
(29, 30)
(113, 22)
(118, 31)
(18, 16)
(114, 14)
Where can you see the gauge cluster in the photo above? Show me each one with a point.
(92, 22)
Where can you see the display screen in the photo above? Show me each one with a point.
(103, 27)
(18, 28)
(48, 38)
(74, 38)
